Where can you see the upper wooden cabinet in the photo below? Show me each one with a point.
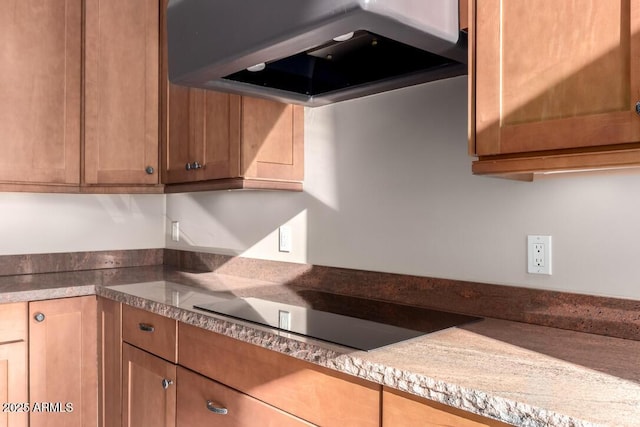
(554, 85)
(59, 56)
(223, 141)
(122, 66)
(40, 72)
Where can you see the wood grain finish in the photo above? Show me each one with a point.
(272, 140)
(536, 164)
(110, 359)
(555, 75)
(235, 184)
(63, 360)
(307, 391)
(13, 322)
(202, 128)
(195, 391)
(13, 383)
(232, 137)
(122, 66)
(161, 340)
(145, 402)
(40, 71)
(403, 409)
(463, 14)
(13, 362)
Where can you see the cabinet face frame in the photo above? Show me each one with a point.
(493, 133)
(110, 363)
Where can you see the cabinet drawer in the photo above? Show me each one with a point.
(403, 409)
(316, 394)
(149, 331)
(13, 322)
(200, 397)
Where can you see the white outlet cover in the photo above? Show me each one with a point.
(284, 239)
(543, 267)
(175, 231)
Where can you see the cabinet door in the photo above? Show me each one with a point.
(13, 363)
(121, 91)
(145, 400)
(555, 75)
(110, 357)
(63, 361)
(13, 384)
(402, 409)
(202, 129)
(203, 402)
(40, 71)
(272, 140)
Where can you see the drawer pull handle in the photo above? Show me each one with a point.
(166, 383)
(146, 327)
(213, 407)
(39, 317)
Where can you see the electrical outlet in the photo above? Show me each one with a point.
(284, 239)
(175, 231)
(539, 254)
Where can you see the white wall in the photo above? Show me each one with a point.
(388, 188)
(45, 223)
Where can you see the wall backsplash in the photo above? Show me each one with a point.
(388, 187)
(53, 223)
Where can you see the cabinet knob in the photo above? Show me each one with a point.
(193, 166)
(216, 409)
(39, 317)
(638, 108)
(166, 383)
(149, 170)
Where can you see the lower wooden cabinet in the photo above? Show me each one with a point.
(403, 409)
(63, 362)
(13, 364)
(203, 402)
(220, 381)
(149, 389)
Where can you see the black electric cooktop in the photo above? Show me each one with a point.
(349, 321)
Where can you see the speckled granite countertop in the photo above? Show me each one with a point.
(522, 374)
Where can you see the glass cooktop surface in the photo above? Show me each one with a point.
(349, 321)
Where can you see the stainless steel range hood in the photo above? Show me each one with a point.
(297, 51)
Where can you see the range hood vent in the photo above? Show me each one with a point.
(313, 52)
